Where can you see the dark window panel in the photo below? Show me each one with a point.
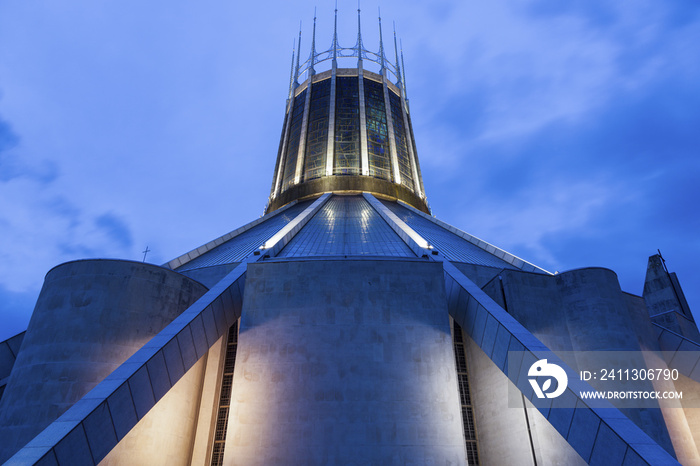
(347, 127)
(377, 133)
(317, 133)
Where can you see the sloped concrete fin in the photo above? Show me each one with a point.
(140, 382)
(615, 439)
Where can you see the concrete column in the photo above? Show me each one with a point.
(330, 148)
(90, 317)
(298, 176)
(390, 130)
(364, 155)
(285, 142)
(345, 360)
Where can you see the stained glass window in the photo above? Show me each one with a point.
(317, 134)
(377, 137)
(347, 127)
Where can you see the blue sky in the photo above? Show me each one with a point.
(565, 133)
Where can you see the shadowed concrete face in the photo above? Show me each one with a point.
(341, 360)
(89, 318)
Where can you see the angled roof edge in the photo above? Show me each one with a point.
(512, 259)
(196, 252)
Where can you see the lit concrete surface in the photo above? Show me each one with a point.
(690, 424)
(344, 361)
(90, 317)
(208, 404)
(164, 437)
(528, 438)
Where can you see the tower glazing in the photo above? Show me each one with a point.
(347, 129)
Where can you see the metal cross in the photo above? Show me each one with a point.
(663, 261)
(145, 252)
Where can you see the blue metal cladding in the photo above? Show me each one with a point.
(241, 246)
(317, 134)
(347, 127)
(447, 243)
(346, 226)
(377, 133)
(400, 138)
(290, 165)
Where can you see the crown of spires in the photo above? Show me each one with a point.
(336, 51)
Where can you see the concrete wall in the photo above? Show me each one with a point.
(165, 436)
(209, 404)
(345, 361)
(479, 274)
(581, 311)
(90, 317)
(665, 300)
(210, 276)
(691, 426)
(8, 354)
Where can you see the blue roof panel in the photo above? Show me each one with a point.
(241, 246)
(346, 226)
(447, 243)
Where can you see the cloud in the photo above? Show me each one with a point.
(8, 138)
(42, 228)
(16, 310)
(115, 229)
(13, 166)
(526, 221)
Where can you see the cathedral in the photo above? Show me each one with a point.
(348, 325)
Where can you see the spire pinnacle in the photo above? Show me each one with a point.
(403, 68)
(334, 46)
(359, 36)
(312, 59)
(291, 74)
(296, 68)
(396, 54)
(381, 44)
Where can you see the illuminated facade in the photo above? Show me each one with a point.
(346, 325)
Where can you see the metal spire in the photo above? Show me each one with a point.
(396, 54)
(291, 75)
(334, 46)
(403, 67)
(296, 69)
(381, 44)
(359, 36)
(313, 48)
